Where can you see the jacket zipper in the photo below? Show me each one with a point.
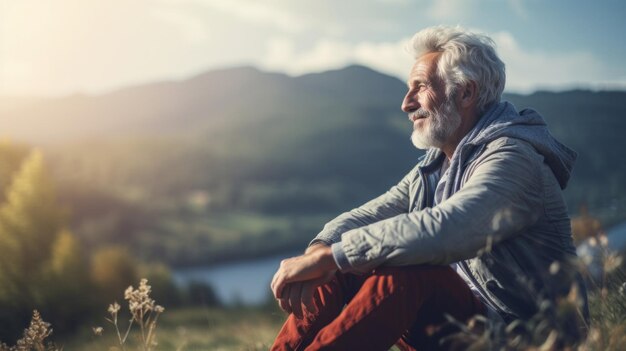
(463, 264)
(426, 187)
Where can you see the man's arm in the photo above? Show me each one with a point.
(502, 196)
(315, 246)
(297, 278)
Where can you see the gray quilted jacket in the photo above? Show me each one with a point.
(502, 217)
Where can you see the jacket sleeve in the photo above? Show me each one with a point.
(390, 204)
(501, 196)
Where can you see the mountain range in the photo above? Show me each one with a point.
(270, 145)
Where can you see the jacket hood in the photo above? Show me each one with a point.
(503, 120)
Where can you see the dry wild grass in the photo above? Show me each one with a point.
(33, 338)
(144, 314)
(553, 328)
(558, 327)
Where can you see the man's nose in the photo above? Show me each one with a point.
(410, 104)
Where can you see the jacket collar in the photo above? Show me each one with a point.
(433, 159)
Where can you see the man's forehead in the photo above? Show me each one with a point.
(425, 65)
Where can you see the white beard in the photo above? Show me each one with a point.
(442, 123)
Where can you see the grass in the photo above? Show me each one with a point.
(191, 329)
(254, 328)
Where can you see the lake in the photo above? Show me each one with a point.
(244, 282)
(247, 282)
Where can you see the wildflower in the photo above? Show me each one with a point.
(97, 330)
(604, 241)
(139, 301)
(159, 309)
(35, 334)
(593, 242)
(612, 262)
(554, 267)
(114, 308)
(128, 293)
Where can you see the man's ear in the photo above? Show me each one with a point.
(469, 94)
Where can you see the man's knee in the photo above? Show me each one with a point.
(412, 273)
(402, 279)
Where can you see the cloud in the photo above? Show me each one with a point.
(518, 8)
(449, 9)
(325, 54)
(528, 70)
(192, 29)
(74, 47)
(395, 2)
(258, 13)
(386, 57)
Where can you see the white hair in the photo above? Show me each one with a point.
(465, 56)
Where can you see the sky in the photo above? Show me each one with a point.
(63, 47)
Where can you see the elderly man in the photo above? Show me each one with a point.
(479, 226)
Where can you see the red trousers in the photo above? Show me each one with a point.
(390, 305)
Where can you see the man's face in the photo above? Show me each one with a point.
(435, 117)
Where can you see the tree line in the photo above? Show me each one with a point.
(43, 265)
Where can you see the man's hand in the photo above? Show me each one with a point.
(300, 297)
(298, 277)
